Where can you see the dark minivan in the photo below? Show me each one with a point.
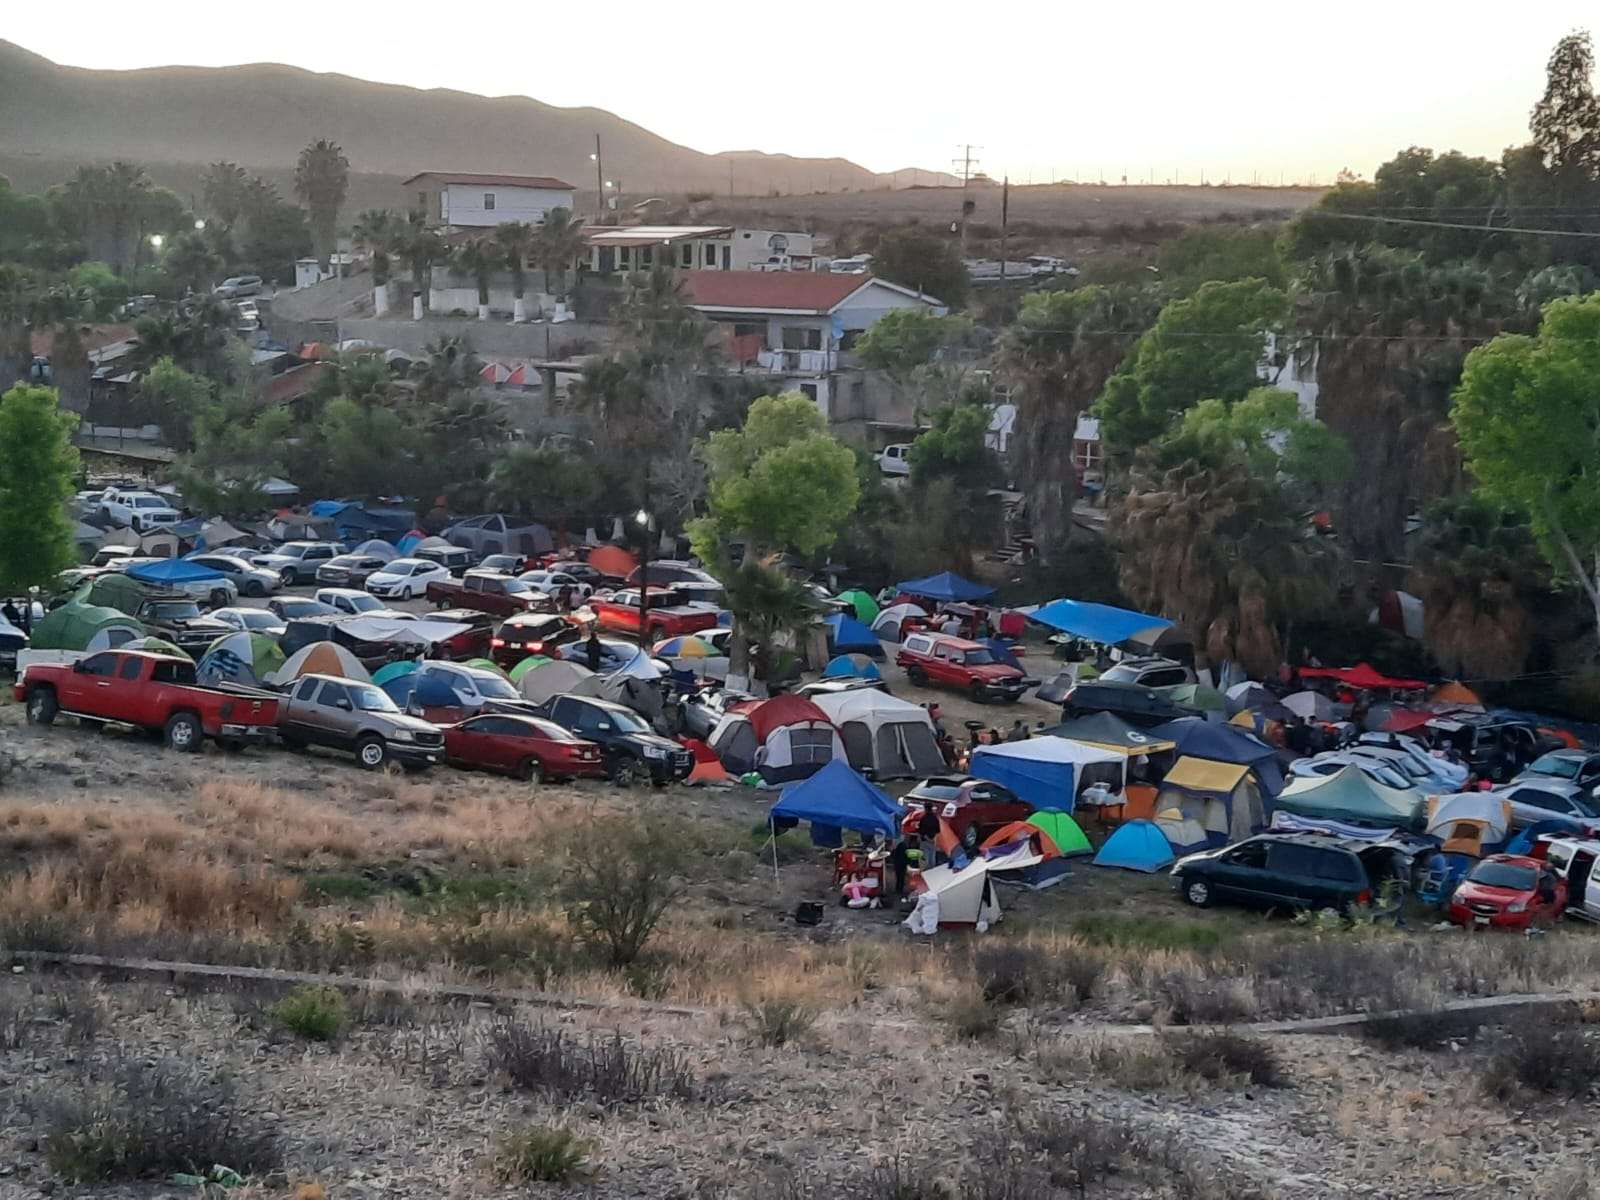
(1133, 702)
(1287, 871)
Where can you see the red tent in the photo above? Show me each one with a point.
(1404, 720)
(1362, 675)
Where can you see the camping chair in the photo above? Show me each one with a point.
(1434, 885)
(848, 862)
(1139, 802)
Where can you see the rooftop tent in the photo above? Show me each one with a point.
(173, 571)
(833, 799)
(1047, 772)
(1196, 737)
(846, 635)
(1203, 803)
(320, 658)
(84, 534)
(944, 587)
(888, 622)
(845, 667)
(116, 591)
(1101, 622)
(78, 625)
(864, 606)
(612, 560)
(243, 658)
(1362, 675)
(1112, 732)
(1136, 846)
(893, 738)
(785, 738)
(1348, 795)
(377, 548)
(1061, 829)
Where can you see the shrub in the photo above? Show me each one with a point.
(1147, 933)
(78, 1009)
(15, 1013)
(1423, 1029)
(778, 1021)
(621, 877)
(1080, 1148)
(1223, 1056)
(1137, 1064)
(149, 1122)
(609, 1071)
(1009, 972)
(1081, 967)
(1553, 1057)
(315, 1013)
(1194, 999)
(540, 1155)
(972, 1018)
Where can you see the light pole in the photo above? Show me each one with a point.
(644, 519)
(599, 179)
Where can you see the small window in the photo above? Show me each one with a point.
(711, 255)
(727, 257)
(809, 391)
(647, 256)
(130, 668)
(332, 694)
(100, 665)
(1288, 859)
(306, 688)
(625, 257)
(422, 201)
(688, 254)
(488, 202)
(798, 337)
(1342, 868)
(1251, 854)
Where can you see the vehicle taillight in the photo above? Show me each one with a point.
(536, 647)
(497, 641)
(1363, 897)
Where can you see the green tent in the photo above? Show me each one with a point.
(1352, 795)
(244, 658)
(532, 662)
(157, 645)
(78, 625)
(1196, 696)
(115, 591)
(1062, 830)
(866, 607)
(484, 664)
(393, 670)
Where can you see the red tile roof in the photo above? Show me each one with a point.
(476, 180)
(293, 383)
(768, 291)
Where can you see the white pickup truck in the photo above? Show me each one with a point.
(140, 511)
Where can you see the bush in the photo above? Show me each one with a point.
(1553, 1057)
(1080, 1148)
(1220, 1057)
(777, 1022)
(315, 1013)
(1009, 973)
(1422, 1029)
(540, 1155)
(972, 1018)
(1193, 999)
(78, 1008)
(621, 877)
(608, 1071)
(150, 1122)
(1137, 1064)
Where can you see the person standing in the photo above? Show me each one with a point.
(928, 835)
(592, 651)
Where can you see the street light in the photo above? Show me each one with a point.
(199, 224)
(643, 518)
(156, 239)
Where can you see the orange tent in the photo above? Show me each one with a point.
(1456, 693)
(1018, 831)
(612, 560)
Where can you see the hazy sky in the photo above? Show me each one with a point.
(1042, 86)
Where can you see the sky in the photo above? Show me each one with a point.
(1163, 90)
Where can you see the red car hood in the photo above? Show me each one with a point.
(1485, 894)
(995, 672)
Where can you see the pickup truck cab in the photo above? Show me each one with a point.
(490, 592)
(666, 616)
(157, 692)
(457, 560)
(323, 710)
(632, 750)
(934, 658)
(180, 621)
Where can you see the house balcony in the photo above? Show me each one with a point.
(798, 362)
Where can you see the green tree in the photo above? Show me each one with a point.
(104, 290)
(478, 257)
(953, 471)
(1203, 254)
(366, 449)
(236, 449)
(559, 242)
(226, 188)
(322, 180)
(178, 397)
(38, 469)
(192, 262)
(421, 248)
(559, 488)
(375, 230)
(1566, 120)
(769, 609)
(904, 339)
(924, 261)
(1527, 412)
(515, 241)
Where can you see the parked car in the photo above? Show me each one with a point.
(180, 621)
(632, 750)
(583, 573)
(970, 667)
(700, 711)
(299, 608)
(966, 803)
(1151, 672)
(246, 317)
(552, 583)
(406, 578)
(1547, 799)
(250, 620)
(1454, 774)
(350, 570)
(143, 512)
(527, 747)
(1286, 871)
(296, 562)
(1509, 891)
(505, 564)
(239, 285)
(471, 690)
(1574, 860)
(323, 710)
(1417, 773)
(250, 579)
(489, 592)
(688, 580)
(527, 634)
(456, 560)
(472, 642)
(895, 458)
(214, 593)
(1134, 703)
(1331, 762)
(1581, 767)
(1494, 748)
(348, 600)
(665, 617)
(157, 692)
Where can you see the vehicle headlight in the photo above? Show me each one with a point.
(1517, 906)
(654, 752)
(402, 735)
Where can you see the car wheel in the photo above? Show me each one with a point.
(219, 599)
(405, 593)
(371, 753)
(286, 577)
(255, 588)
(917, 676)
(1197, 892)
(532, 771)
(624, 771)
(42, 706)
(975, 691)
(291, 742)
(184, 733)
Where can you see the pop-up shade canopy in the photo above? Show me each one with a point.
(1101, 623)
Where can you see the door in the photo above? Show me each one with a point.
(473, 742)
(86, 687)
(329, 716)
(121, 701)
(944, 668)
(1582, 896)
(1240, 874)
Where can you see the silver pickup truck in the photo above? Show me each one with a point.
(323, 710)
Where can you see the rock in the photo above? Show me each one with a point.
(80, 781)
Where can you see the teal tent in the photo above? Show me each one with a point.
(1136, 846)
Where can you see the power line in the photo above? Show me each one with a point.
(1457, 225)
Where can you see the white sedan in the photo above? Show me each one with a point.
(406, 578)
(551, 583)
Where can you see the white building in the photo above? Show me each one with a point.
(453, 200)
(615, 249)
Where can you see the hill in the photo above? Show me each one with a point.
(261, 115)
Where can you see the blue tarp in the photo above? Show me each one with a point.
(1101, 622)
(1198, 738)
(947, 586)
(833, 799)
(172, 570)
(1136, 846)
(1002, 653)
(844, 667)
(849, 636)
(328, 508)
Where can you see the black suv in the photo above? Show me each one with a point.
(1133, 702)
(632, 749)
(1287, 871)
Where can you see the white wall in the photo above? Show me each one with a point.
(463, 204)
(750, 246)
(863, 309)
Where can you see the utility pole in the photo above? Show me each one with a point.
(965, 163)
(599, 182)
(1005, 222)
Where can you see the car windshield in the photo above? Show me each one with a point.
(936, 791)
(175, 611)
(255, 618)
(370, 699)
(627, 722)
(1505, 875)
(1562, 766)
(516, 587)
(305, 608)
(978, 658)
(364, 603)
(294, 551)
(496, 688)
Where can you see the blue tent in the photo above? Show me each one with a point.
(1101, 622)
(1047, 772)
(1136, 846)
(834, 799)
(846, 635)
(844, 667)
(1002, 653)
(399, 688)
(1198, 738)
(945, 586)
(173, 570)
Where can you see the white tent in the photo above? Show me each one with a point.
(218, 533)
(424, 631)
(1313, 706)
(377, 548)
(784, 738)
(893, 738)
(968, 896)
(1492, 810)
(552, 679)
(887, 624)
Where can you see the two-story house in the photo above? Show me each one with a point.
(619, 249)
(466, 200)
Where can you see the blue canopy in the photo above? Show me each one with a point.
(947, 586)
(1002, 653)
(172, 570)
(849, 636)
(835, 798)
(1136, 846)
(844, 667)
(1198, 738)
(1101, 622)
(1047, 772)
(329, 508)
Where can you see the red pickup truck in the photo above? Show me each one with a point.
(957, 663)
(490, 592)
(157, 692)
(665, 617)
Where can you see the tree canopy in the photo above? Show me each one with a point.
(38, 466)
(917, 258)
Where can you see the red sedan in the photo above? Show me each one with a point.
(1509, 891)
(522, 746)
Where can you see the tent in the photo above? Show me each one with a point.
(846, 635)
(116, 591)
(243, 658)
(613, 560)
(400, 687)
(156, 645)
(945, 587)
(888, 622)
(863, 605)
(784, 738)
(216, 534)
(1002, 653)
(1047, 772)
(1110, 732)
(170, 572)
(684, 646)
(79, 625)
(394, 670)
(1351, 795)
(552, 679)
(158, 543)
(1456, 693)
(1196, 696)
(845, 667)
(1363, 676)
(1469, 822)
(1136, 846)
(1242, 697)
(1196, 737)
(1061, 829)
(1312, 706)
(485, 664)
(424, 631)
(377, 548)
(320, 658)
(967, 897)
(1051, 867)
(87, 537)
(893, 738)
(833, 799)
(410, 541)
(643, 696)
(1101, 622)
(1203, 803)
(532, 663)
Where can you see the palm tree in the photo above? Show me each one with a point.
(478, 258)
(192, 262)
(517, 240)
(449, 365)
(322, 179)
(421, 248)
(375, 230)
(767, 605)
(559, 244)
(226, 187)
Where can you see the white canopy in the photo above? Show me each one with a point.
(1050, 748)
(967, 897)
(1313, 706)
(422, 632)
